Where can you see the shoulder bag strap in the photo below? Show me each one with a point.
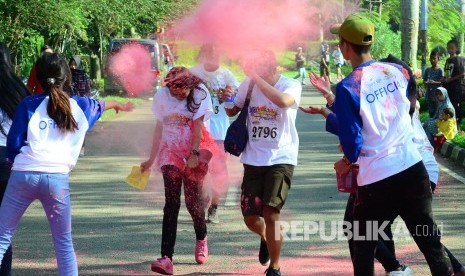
(249, 94)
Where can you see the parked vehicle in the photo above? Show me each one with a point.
(112, 85)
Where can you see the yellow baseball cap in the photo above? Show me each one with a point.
(356, 29)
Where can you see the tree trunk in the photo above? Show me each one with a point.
(461, 33)
(409, 17)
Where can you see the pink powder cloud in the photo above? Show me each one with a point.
(132, 67)
(239, 26)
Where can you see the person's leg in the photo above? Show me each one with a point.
(55, 198)
(19, 194)
(193, 198)
(193, 182)
(252, 206)
(5, 267)
(456, 265)
(303, 74)
(273, 243)
(415, 209)
(373, 207)
(219, 183)
(172, 178)
(384, 250)
(277, 183)
(385, 256)
(349, 220)
(251, 199)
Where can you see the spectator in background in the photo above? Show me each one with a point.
(447, 127)
(300, 65)
(453, 81)
(168, 58)
(80, 83)
(324, 48)
(442, 98)
(33, 84)
(339, 61)
(324, 60)
(12, 91)
(432, 78)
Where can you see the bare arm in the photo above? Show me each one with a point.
(324, 86)
(129, 106)
(322, 110)
(193, 160)
(282, 100)
(155, 146)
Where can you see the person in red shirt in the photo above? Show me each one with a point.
(33, 84)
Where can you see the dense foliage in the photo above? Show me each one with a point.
(80, 26)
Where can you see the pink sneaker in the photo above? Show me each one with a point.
(201, 251)
(163, 266)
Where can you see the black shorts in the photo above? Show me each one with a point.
(265, 185)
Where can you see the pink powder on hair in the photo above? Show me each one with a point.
(132, 67)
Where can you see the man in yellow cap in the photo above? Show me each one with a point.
(375, 131)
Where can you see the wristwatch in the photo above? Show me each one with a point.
(195, 152)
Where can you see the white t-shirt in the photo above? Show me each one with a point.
(387, 132)
(219, 79)
(424, 147)
(177, 120)
(45, 147)
(5, 121)
(338, 57)
(273, 137)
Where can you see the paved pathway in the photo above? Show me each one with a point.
(117, 229)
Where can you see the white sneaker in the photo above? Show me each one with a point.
(404, 271)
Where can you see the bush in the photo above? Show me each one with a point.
(424, 116)
(459, 140)
(423, 104)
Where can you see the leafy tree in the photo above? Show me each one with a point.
(79, 26)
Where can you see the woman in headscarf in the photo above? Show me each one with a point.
(444, 102)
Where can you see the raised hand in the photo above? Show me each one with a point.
(321, 83)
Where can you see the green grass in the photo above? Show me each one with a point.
(111, 114)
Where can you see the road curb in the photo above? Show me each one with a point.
(454, 152)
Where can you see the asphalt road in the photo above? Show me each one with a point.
(117, 229)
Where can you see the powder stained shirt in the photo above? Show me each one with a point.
(375, 128)
(177, 120)
(273, 137)
(35, 143)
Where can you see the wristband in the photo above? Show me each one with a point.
(328, 95)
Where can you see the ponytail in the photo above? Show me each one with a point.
(53, 73)
(59, 109)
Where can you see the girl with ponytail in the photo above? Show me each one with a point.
(43, 146)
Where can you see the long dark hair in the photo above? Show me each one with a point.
(181, 77)
(53, 73)
(12, 89)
